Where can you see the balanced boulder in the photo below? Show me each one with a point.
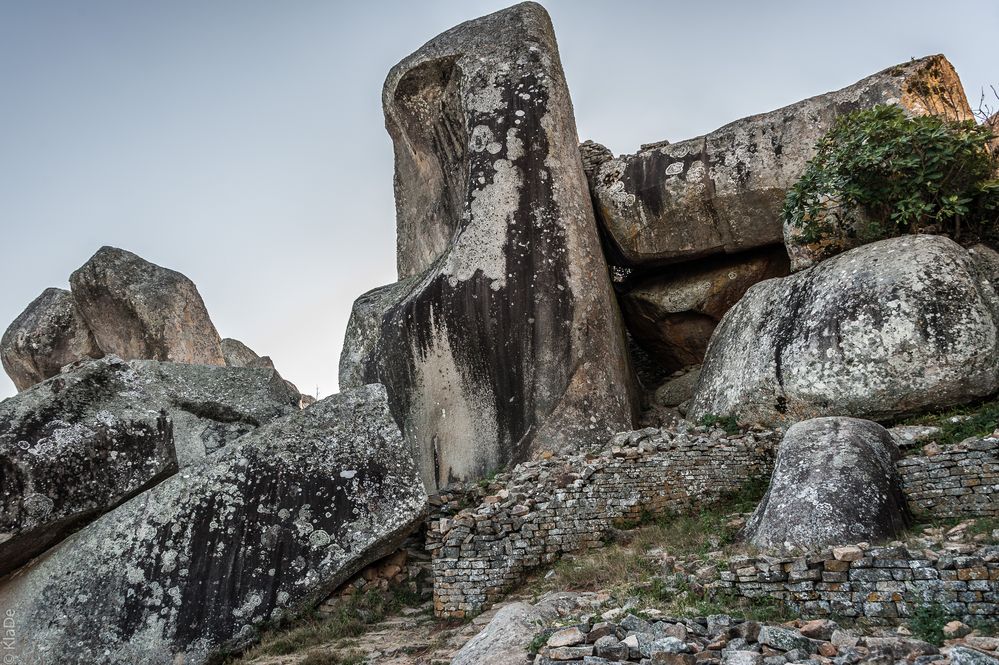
(139, 310)
(262, 530)
(723, 192)
(834, 483)
(77, 445)
(509, 340)
(48, 335)
(672, 315)
(883, 330)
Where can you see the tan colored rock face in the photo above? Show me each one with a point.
(47, 336)
(672, 316)
(508, 339)
(139, 310)
(723, 192)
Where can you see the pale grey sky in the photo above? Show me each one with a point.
(242, 141)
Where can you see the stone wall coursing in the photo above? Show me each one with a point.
(874, 585)
(554, 506)
(560, 505)
(954, 481)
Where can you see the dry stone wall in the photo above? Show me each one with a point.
(953, 481)
(876, 585)
(559, 505)
(546, 508)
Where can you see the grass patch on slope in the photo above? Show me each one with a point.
(635, 568)
(351, 618)
(961, 422)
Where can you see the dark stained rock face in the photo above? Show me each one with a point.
(883, 330)
(48, 335)
(672, 315)
(265, 528)
(138, 310)
(834, 483)
(509, 338)
(723, 192)
(77, 445)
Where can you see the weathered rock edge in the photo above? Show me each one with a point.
(139, 310)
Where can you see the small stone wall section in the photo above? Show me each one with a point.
(877, 585)
(551, 507)
(953, 481)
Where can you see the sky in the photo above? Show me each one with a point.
(242, 142)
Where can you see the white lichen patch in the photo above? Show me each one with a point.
(481, 245)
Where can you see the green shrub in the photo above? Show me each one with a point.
(927, 623)
(907, 175)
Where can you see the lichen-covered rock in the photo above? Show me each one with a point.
(593, 154)
(672, 315)
(77, 445)
(834, 482)
(263, 529)
(987, 260)
(510, 339)
(48, 335)
(723, 192)
(882, 330)
(139, 310)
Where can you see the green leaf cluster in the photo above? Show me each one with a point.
(923, 174)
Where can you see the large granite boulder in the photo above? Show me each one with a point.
(509, 340)
(723, 192)
(834, 483)
(882, 330)
(77, 445)
(139, 310)
(261, 530)
(672, 314)
(49, 334)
